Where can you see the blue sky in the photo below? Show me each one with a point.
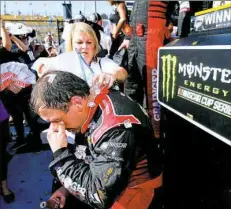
(53, 7)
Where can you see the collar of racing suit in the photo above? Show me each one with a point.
(95, 103)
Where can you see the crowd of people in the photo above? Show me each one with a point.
(100, 87)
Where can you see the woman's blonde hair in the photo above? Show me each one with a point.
(81, 27)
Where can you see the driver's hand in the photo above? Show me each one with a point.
(60, 194)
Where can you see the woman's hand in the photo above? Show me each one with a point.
(43, 65)
(114, 35)
(104, 79)
(40, 70)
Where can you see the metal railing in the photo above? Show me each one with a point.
(42, 27)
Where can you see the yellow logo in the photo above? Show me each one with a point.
(194, 43)
(108, 174)
(169, 63)
(109, 171)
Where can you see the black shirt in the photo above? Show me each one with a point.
(8, 56)
(16, 55)
(23, 57)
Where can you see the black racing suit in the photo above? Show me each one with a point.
(148, 21)
(117, 137)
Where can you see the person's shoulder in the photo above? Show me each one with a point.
(3, 53)
(3, 49)
(124, 105)
(6, 56)
(106, 60)
(68, 55)
(108, 65)
(121, 6)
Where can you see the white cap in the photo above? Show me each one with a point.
(18, 28)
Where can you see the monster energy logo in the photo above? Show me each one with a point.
(169, 76)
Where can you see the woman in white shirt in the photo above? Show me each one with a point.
(80, 58)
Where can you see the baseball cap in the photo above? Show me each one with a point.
(80, 18)
(95, 17)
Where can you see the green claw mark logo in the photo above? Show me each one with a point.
(169, 75)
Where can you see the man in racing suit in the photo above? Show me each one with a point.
(119, 164)
(149, 30)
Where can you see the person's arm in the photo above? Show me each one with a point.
(111, 72)
(6, 42)
(120, 74)
(123, 17)
(101, 181)
(109, 66)
(44, 64)
(19, 43)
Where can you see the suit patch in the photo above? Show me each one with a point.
(111, 120)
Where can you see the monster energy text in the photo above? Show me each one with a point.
(192, 71)
(205, 72)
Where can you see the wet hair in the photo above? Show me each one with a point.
(55, 89)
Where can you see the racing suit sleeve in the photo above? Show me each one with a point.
(99, 182)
